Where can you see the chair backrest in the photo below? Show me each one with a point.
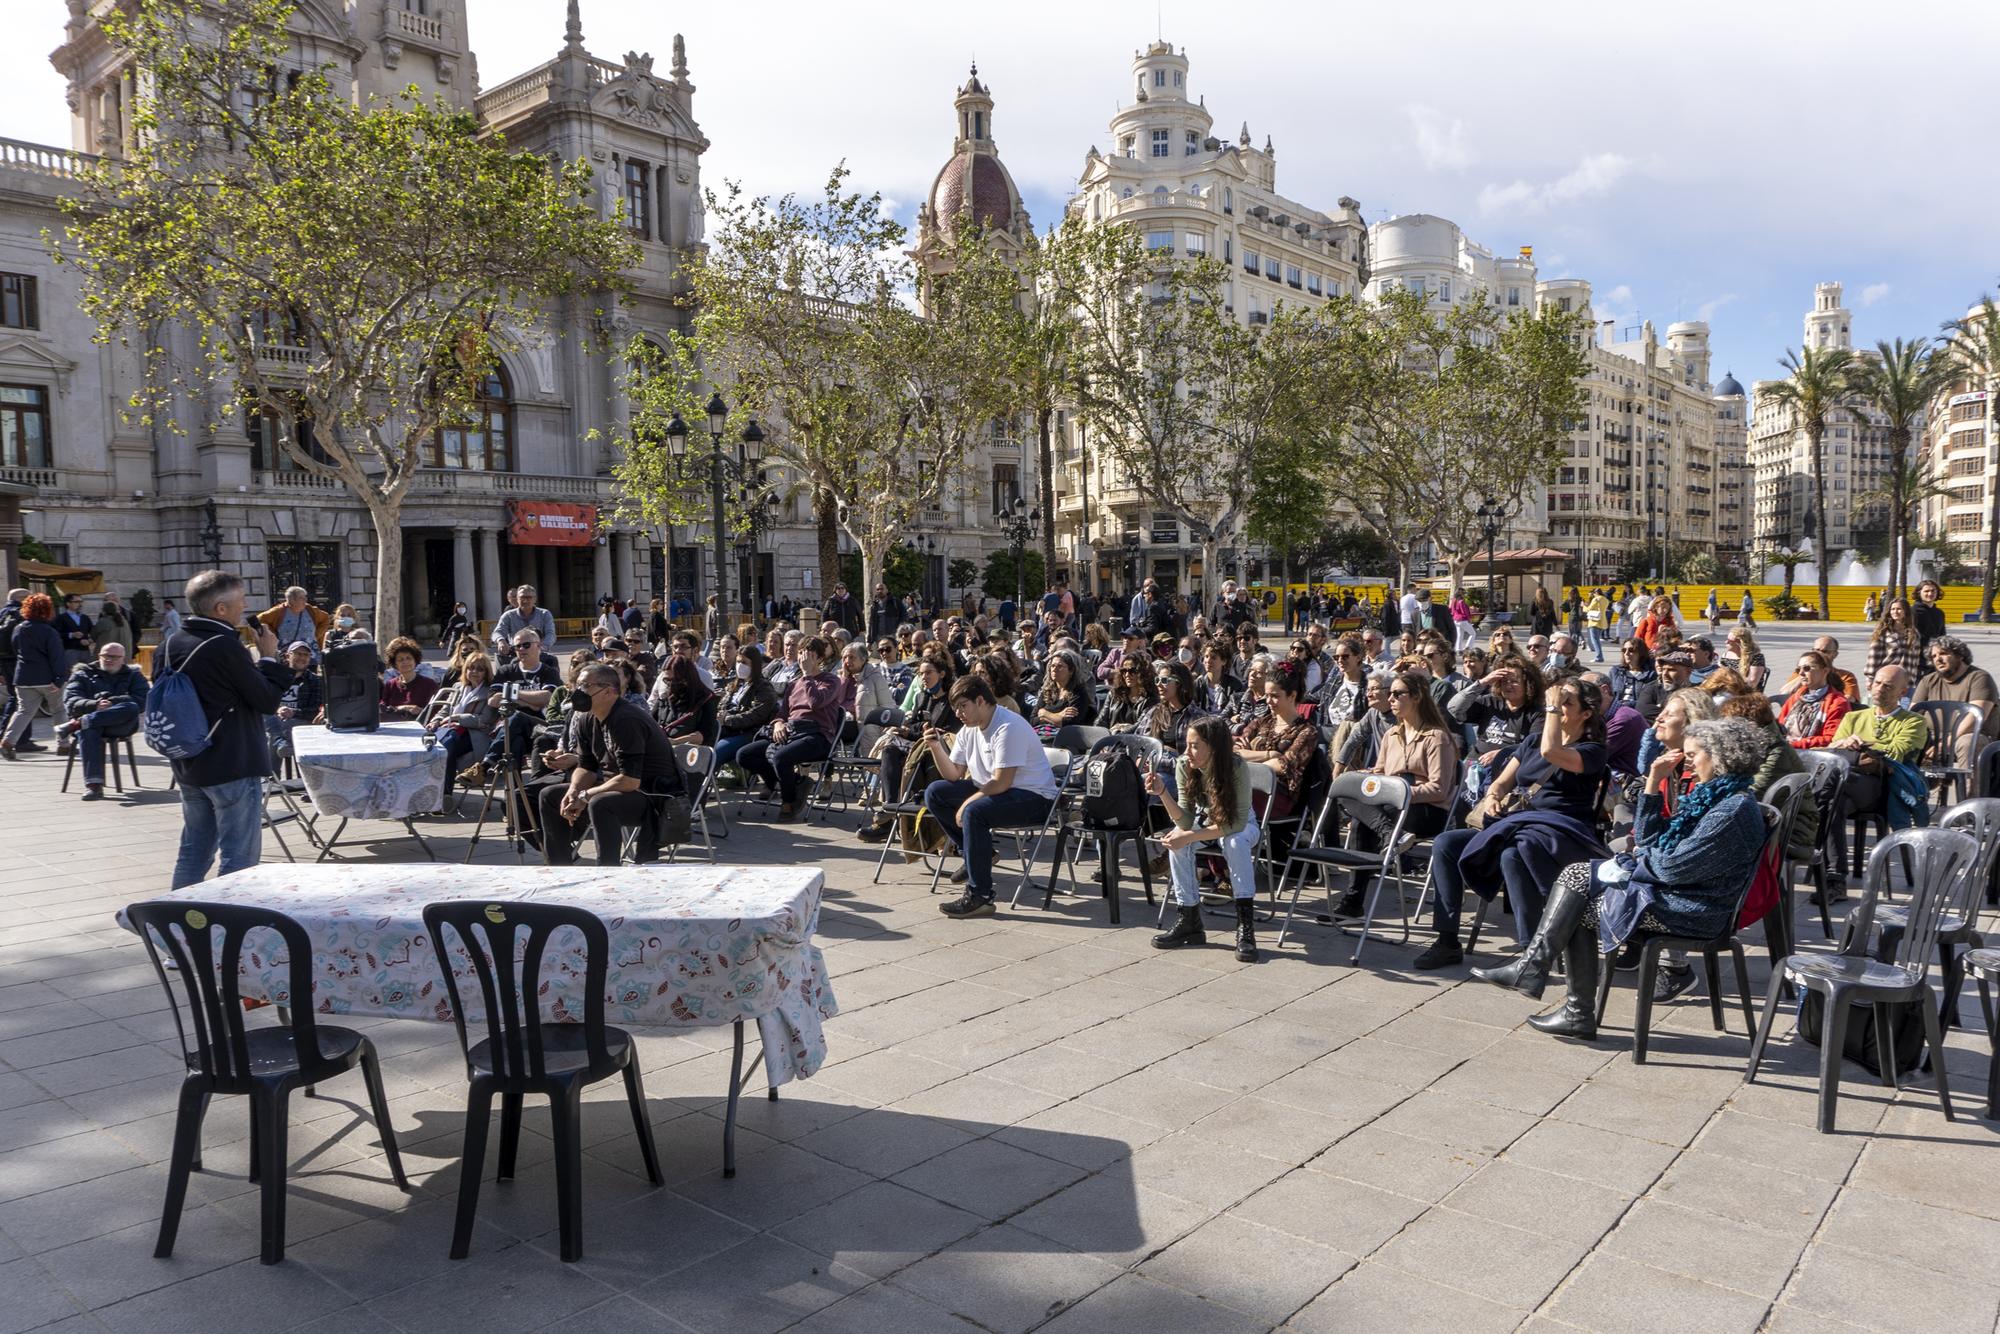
(1784, 797)
(1949, 720)
(1078, 738)
(507, 944)
(887, 717)
(1935, 861)
(211, 980)
(1979, 817)
(1986, 771)
(1378, 790)
(1142, 747)
(1059, 763)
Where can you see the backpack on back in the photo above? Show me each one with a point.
(176, 725)
(1113, 795)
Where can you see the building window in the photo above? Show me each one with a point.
(1160, 242)
(1161, 146)
(1513, 296)
(24, 426)
(1177, 78)
(266, 430)
(1159, 78)
(416, 6)
(1166, 529)
(638, 198)
(1197, 244)
(1312, 283)
(483, 441)
(1271, 267)
(1415, 285)
(1444, 289)
(1193, 140)
(1006, 486)
(17, 301)
(313, 566)
(1960, 412)
(1249, 261)
(1292, 276)
(1228, 250)
(1228, 200)
(1128, 146)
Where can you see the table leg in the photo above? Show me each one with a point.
(767, 1070)
(729, 1124)
(411, 826)
(326, 848)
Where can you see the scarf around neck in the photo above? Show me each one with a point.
(1699, 801)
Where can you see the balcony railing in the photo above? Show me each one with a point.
(47, 479)
(521, 89)
(424, 28)
(43, 159)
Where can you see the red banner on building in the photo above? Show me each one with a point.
(549, 523)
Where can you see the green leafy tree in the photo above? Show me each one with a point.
(1291, 501)
(1974, 348)
(998, 579)
(1900, 384)
(1819, 384)
(961, 572)
(1787, 559)
(345, 263)
(902, 571)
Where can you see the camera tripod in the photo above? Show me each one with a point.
(508, 781)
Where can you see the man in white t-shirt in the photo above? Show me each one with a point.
(995, 776)
(1408, 608)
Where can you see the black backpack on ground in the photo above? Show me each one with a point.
(1114, 797)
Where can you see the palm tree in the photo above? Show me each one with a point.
(1974, 349)
(1817, 384)
(1900, 385)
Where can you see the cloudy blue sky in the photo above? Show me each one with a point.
(1694, 160)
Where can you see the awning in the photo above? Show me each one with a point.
(66, 578)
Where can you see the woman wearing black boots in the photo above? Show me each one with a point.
(1209, 803)
(1685, 881)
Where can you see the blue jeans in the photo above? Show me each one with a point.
(99, 726)
(1016, 808)
(1595, 638)
(727, 747)
(228, 815)
(1236, 849)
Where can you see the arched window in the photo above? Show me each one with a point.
(1228, 200)
(1160, 194)
(483, 441)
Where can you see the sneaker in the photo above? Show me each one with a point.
(1836, 890)
(966, 905)
(875, 833)
(474, 775)
(27, 747)
(1352, 904)
(1669, 982)
(95, 792)
(1627, 958)
(1441, 954)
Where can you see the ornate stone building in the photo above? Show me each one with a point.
(150, 506)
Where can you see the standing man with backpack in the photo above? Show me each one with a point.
(206, 714)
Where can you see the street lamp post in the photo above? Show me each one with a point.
(1019, 527)
(1490, 518)
(211, 534)
(748, 449)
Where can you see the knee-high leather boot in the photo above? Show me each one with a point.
(1578, 1016)
(1529, 973)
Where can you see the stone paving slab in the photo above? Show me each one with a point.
(1034, 1122)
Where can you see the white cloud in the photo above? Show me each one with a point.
(1706, 311)
(1440, 138)
(1593, 175)
(1874, 292)
(1620, 295)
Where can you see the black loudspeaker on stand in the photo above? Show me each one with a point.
(353, 688)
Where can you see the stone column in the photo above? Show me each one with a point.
(548, 582)
(601, 552)
(489, 577)
(621, 565)
(464, 585)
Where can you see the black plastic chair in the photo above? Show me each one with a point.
(1933, 862)
(1829, 778)
(1708, 947)
(1983, 966)
(1959, 926)
(521, 1054)
(230, 1058)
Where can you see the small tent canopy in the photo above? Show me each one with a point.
(66, 578)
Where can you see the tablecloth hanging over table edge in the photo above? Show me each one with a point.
(388, 774)
(671, 964)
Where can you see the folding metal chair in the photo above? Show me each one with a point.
(1349, 858)
(840, 763)
(698, 767)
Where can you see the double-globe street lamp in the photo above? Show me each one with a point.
(1019, 526)
(749, 449)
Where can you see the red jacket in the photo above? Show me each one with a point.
(1831, 713)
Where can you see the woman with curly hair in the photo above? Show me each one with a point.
(406, 693)
(38, 669)
(1167, 721)
(1134, 690)
(1896, 640)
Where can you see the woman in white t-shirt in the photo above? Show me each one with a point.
(994, 776)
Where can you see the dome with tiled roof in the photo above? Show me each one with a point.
(974, 183)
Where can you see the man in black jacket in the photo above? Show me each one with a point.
(843, 610)
(222, 789)
(103, 700)
(884, 615)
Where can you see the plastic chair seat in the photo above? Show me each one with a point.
(1983, 963)
(564, 1053)
(1897, 915)
(1849, 970)
(1337, 856)
(273, 1053)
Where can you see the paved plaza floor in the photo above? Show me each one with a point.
(1033, 1121)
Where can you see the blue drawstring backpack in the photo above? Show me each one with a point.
(176, 725)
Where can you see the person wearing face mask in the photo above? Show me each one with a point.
(871, 693)
(1561, 655)
(457, 625)
(749, 706)
(804, 731)
(340, 628)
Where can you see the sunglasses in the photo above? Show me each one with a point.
(1401, 694)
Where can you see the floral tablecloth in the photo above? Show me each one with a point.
(691, 946)
(387, 774)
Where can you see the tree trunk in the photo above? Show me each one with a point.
(1897, 563)
(826, 519)
(1209, 550)
(1047, 464)
(1819, 518)
(874, 561)
(387, 518)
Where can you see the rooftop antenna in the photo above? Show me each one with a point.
(1159, 20)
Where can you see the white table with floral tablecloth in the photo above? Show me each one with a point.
(691, 946)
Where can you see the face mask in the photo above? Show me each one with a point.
(346, 622)
(743, 671)
(1187, 656)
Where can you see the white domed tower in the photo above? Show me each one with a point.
(972, 185)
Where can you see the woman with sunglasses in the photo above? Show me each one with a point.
(1418, 748)
(1520, 850)
(1167, 721)
(1133, 691)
